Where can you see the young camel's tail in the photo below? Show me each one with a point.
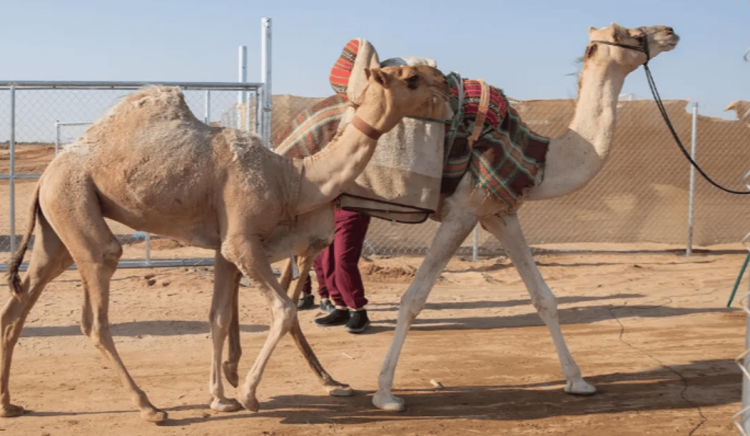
(14, 279)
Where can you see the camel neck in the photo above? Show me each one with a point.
(325, 175)
(577, 156)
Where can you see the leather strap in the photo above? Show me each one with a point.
(484, 105)
(365, 128)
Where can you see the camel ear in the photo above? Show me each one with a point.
(592, 29)
(731, 106)
(617, 32)
(380, 77)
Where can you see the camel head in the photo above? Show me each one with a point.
(401, 91)
(625, 47)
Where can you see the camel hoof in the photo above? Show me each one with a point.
(230, 373)
(225, 405)
(250, 403)
(153, 415)
(580, 388)
(386, 401)
(11, 411)
(339, 390)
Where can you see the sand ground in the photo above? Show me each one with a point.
(650, 330)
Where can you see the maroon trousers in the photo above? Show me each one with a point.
(337, 266)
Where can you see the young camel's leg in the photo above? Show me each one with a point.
(333, 387)
(49, 259)
(234, 348)
(226, 282)
(508, 230)
(248, 255)
(75, 216)
(456, 224)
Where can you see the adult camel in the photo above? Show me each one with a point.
(572, 160)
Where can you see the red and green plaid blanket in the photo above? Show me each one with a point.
(505, 160)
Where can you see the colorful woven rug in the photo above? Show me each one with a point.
(508, 155)
(505, 160)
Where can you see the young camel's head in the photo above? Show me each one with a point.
(628, 48)
(396, 92)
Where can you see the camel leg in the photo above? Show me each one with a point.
(49, 259)
(508, 230)
(333, 387)
(226, 284)
(456, 225)
(234, 353)
(96, 251)
(234, 347)
(248, 255)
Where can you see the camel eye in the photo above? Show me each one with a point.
(413, 82)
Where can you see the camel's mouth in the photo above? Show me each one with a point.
(667, 39)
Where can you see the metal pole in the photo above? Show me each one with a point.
(266, 79)
(258, 115)
(242, 78)
(745, 420)
(12, 172)
(57, 137)
(691, 201)
(475, 244)
(207, 109)
(148, 249)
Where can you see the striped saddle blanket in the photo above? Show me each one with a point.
(505, 160)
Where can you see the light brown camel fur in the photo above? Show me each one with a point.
(151, 165)
(572, 161)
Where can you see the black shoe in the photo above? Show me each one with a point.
(306, 302)
(327, 307)
(358, 322)
(337, 317)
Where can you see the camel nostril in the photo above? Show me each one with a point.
(670, 31)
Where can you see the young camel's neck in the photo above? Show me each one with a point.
(577, 156)
(325, 175)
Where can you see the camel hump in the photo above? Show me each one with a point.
(160, 102)
(149, 105)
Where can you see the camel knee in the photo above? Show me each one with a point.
(544, 302)
(411, 308)
(112, 253)
(288, 315)
(219, 321)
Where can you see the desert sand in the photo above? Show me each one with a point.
(650, 330)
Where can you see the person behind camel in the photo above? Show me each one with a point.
(338, 275)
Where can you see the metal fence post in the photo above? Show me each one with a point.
(12, 172)
(475, 244)
(266, 79)
(242, 78)
(691, 199)
(207, 108)
(57, 137)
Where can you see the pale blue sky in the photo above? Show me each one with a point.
(528, 48)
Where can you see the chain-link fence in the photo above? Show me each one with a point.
(641, 195)
(41, 119)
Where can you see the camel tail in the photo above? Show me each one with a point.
(14, 279)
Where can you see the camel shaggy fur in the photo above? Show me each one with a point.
(151, 165)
